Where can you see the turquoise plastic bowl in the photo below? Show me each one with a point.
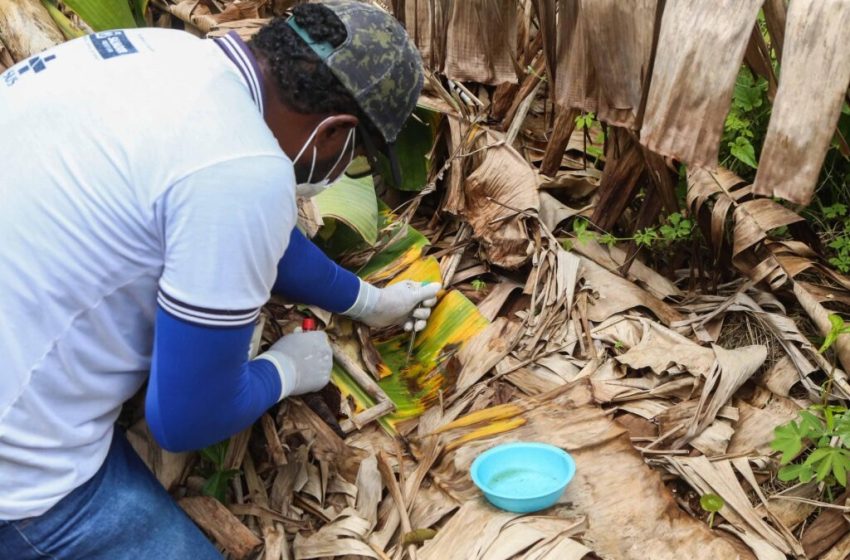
(523, 477)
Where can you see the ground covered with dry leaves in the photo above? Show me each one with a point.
(662, 364)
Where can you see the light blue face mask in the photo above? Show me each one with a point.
(309, 188)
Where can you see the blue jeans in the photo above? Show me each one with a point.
(122, 512)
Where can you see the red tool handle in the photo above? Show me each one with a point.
(308, 324)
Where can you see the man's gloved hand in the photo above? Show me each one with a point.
(408, 302)
(303, 360)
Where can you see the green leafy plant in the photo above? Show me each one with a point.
(645, 237)
(585, 121)
(827, 462)
(824, 427)
(840, 243)
(834, 211)
(217, 476)
(479, 285)
(746, 121)
(712, 503)
(677, 228)
(674, 228)
(837, 327)
(580, 231)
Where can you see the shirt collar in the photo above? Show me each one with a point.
(240, 55)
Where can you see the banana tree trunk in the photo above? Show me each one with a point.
(26, 28)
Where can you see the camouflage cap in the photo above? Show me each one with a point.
(377, 64)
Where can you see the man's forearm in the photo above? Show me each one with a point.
(202, 388)
(306, 275)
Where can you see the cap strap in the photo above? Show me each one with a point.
(323, 49)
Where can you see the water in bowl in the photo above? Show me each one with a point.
(531, 483)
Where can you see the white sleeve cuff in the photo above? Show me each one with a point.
(284, 369)
(367, 298)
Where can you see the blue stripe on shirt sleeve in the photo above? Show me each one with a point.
(306, 275)
(202, 388)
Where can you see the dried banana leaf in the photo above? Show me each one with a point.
(612, 487)
(700, 48)
(500, 198)
(619, 36)
(481, 41)
(806, 110)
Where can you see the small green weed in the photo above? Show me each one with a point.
(674, 228)
(746, 121)
(217, 476)
(823, 427)
(840, 228)
(712, 503)
(585, 122)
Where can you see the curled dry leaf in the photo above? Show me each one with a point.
(616, 295)
(660, 349)
(500, 197)
(755, 254)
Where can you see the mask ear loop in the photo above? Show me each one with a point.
(312, 166)
(309, 139)
(349, 140)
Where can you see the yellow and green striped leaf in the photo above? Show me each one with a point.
(354, 203)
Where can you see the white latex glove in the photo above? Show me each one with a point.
(303, 360)
(408, 302)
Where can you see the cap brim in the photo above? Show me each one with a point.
(374, 148)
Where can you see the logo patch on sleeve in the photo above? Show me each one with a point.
(110, 44)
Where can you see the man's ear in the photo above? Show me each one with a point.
(337, 128)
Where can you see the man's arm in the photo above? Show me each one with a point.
(202, 389)
(306, 275)
(224, 229)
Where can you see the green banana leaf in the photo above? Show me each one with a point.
(416, 384)
(140, 8)
(354, 203)
(413, 147)
(65, 25)
(400, 254)
(102, 15)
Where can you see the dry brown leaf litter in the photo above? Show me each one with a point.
(638, 376)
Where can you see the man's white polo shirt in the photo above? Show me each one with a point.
(108, 145)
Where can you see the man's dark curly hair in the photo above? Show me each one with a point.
(302, 80)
